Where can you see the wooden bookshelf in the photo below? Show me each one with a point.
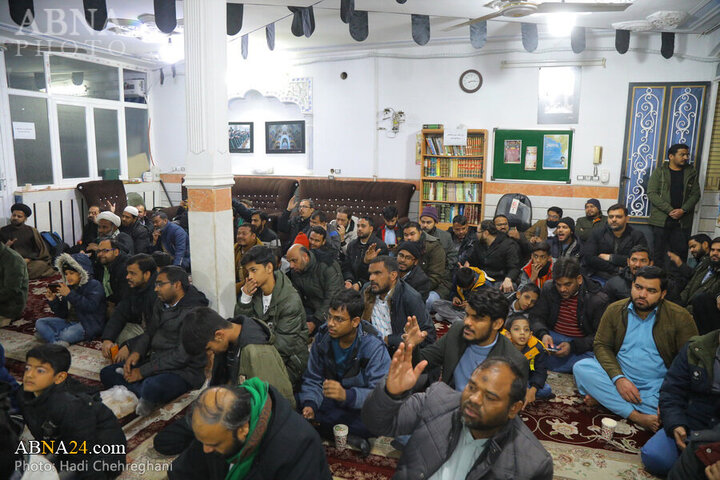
(452, 177)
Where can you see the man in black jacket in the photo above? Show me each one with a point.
(608, 248)
(567, 315)
(360, 252)
(497, 255)
(469, 343)
(89, 231)
(618, 287)
(463, 236)
(408, 258)
(111, 270)
(389, 302)
(134, 311)
(264, 232)
(158, 369)
(282, 444)
(299, 223)
(524, 246)
(138, 232)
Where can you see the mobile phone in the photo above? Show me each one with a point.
(552, 349)
(54, 287)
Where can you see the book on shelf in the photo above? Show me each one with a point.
(446, 212)
(452, 191)
(432, 126)
(452, 167)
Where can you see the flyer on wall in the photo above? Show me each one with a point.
(555, 152)
(512, 151)
(531, 158)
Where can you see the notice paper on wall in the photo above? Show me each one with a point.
(24, 130)
(455, 137)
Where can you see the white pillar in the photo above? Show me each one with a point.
(209, 173)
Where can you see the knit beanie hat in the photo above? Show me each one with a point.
(569, 222)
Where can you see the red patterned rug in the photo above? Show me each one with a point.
(348, 464)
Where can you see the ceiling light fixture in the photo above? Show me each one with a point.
(561, 24)
(172, 52)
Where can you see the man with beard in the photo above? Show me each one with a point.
(474, 434)
(360, 252)
(299, 223)
(172, 239)
(497, 255)
(428, 222)
(592, 220)
(635, 345)
(89, 231)
(607, 249)
(316, 280)
(109, 229)
(389, 302)
(567, 315)
(391, 232)
(539, 269)
(565, 243)
(344, 224)
(408, 258)
(27, 241)
(111, 270)
(463, 236)
(618, 287)
(700, 296)
(470, 342)
(143, 217)
(245, 239)
(264, 232)
(699, 246)
(541, 230)
(249, 431)
(432, 261)
(524, 246)
(138, 232)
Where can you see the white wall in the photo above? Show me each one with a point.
(346, 112)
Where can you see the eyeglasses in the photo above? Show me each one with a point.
(304, 206)
(160, 284)
(334, 318)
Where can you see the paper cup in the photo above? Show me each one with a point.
(341, 434)
(608, 428)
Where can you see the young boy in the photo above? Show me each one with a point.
(517, 329)
(467, 280)
(524, 299)
(76, 422)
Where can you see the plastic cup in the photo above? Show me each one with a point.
(341, 434)
(608, 428)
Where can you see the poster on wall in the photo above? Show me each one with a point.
(558, 95)
(555, 152)
(285, 137)
(531, 158)
(512, 151)
(240, 135)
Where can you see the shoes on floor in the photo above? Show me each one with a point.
(144, 408)
(360, 443)
(397, 445)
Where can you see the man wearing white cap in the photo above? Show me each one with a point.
(137, 231)
(108, 229)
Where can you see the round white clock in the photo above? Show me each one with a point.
(471, 81)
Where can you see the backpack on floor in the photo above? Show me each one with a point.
(264, 362)
(55, 243)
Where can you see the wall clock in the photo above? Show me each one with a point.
(471, 81)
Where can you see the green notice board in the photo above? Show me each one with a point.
(543, 155)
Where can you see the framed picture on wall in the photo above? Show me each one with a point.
(285, 137)
(241, 137)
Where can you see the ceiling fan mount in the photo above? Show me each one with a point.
(519, 9)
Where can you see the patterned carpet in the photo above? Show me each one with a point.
(568, 429)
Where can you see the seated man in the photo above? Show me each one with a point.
(109, 229)
(266, 235)
(539, 269)
(298, 223)
(347, 360)
(138, 232)
(143, 217)
(618, 286)
(391, 232)
(469, 343)
(268, 295)
(320, 219)
(317, 241)
(606, 251)
(345, 224)
(517, 329)
(699, 247)
(111, 271)
(705, 279)
(316, 280)
(78, 303)
(389, 302)
(171, 239)
(245, 239)
(13, 285)
(635, 344)
(497, 255)
(689, 402)
(567, 314)
(524, 246)
(249, 431)
(54, 414)
(428, 222)
(359, 253)
(463, 236)
(473, 434)
(467, 280)
(158, 369)
(133, 312)
(27, 241)
(432, 261)
(593, 219)
(408, 258)
(524, 299)
(565, 243)
(541, 230)
(89, 231)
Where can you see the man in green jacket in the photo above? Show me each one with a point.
(593, 219)
(673, 191)
(269, 296)
(13, 285)
(316, 280)
(634, 346)
(703, 288)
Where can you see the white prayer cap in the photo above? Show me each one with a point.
(132, 211)
(110, 217)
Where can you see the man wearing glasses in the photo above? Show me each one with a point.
(347, 360)
(298, 223)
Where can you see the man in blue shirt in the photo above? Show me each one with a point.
(171, 239)
(635, 344)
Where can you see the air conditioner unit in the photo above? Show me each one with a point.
(134, 88)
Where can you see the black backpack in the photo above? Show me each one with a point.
(55, 244)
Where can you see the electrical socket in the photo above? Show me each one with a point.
(335, 170)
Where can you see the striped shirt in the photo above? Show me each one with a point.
(567, 318)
